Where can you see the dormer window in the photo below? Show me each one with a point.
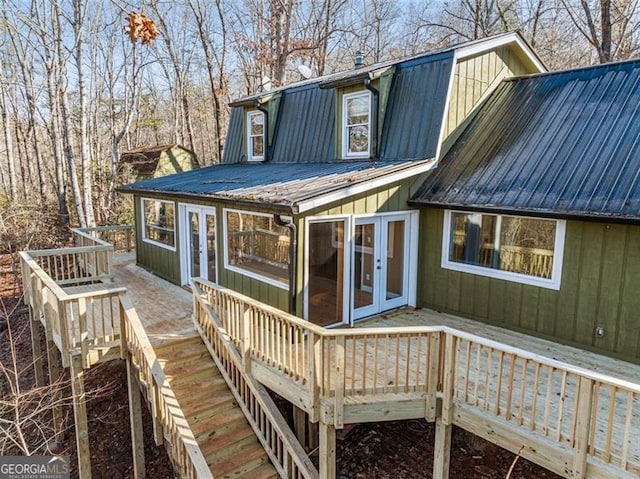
(356, 122)
(255, 136)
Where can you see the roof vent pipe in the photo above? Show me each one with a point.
(359, 63)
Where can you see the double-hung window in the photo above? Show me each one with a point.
(255, 135)
(159, 223)
(515, 248)
(356, 124)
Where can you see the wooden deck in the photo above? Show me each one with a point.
(606, 365)
(164, 308)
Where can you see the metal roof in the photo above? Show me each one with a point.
(416, 105)
(554, 144)
(305, 130)
(272, 185)
(306, 119)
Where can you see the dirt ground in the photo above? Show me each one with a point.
(401, 449)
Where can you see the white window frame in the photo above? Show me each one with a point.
(345, 128)
(549, 283)
(242, 271)
(250, 136)
(143, 223)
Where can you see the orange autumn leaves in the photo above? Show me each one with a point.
(140, 27)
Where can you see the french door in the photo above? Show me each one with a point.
(198, 243)
(380, 271)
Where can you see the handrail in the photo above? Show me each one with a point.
(591, 412)
(286, 454)
(184, 448)
(119, 237)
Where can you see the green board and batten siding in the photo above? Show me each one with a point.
(161, 261)
(166, 263)
(600, 278)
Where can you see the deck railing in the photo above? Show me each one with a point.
(120, 237)
(284, 450)
(589, 413)
(102, 317)
(583, 417)
(182, 445)
(78, 323)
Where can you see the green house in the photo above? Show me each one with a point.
(309, 211)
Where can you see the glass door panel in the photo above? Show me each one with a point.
(198, 244)
(210, 250)
(325, 263)
(194, 243)
(395, 260)
(366, 268)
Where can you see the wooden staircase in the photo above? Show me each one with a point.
(222, 432)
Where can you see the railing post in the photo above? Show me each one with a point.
(583, 426)
(444, 418)
(247, 314)
(434, 370)
(123, 330)
(83, 332)
(314, 360)
(338, 382)
(63, 328)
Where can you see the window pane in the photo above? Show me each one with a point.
(395, 259)
(358, 139)
(526, 246)
(159, 221)
(326, 272)
(255, 243)
(257, 124)
(358, 110)
(258, 143)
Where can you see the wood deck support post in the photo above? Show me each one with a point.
(327, 457)
(300, 426)
(442, 450)
(314, 432)
(135, 417)
(36, 349)
(54, 361)
(444, 415)
(80, 416)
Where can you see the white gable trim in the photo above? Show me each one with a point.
(474, 49)
(343, 193)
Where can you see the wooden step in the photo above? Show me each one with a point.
(189, 392)
(242, 462)
(220, 447)
(168, 348)
(266, 471)
(185, 356)
(218, 425)
(191, 375)
(206, 409)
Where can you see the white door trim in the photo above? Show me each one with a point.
(185, 244)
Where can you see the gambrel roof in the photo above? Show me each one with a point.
(563, 144)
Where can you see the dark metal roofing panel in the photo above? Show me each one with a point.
(269, 184)
(565, 143)
(234, 146)
(305, 131)
(416, 106)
